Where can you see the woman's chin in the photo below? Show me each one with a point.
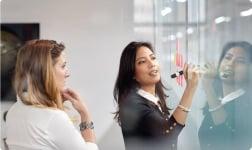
(155, 81)
(62, 88)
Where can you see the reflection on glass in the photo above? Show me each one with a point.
(226, 125)
(194, 30)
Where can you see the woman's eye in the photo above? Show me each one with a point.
(153, 57)
(227, 58)
(141, 62)
(63, 66)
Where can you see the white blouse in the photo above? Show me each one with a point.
(149, 97)
(232, 96)
(33, 128)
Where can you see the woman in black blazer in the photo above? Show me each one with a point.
(142, 112)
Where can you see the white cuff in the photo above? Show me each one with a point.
(92, 146)
(216, 108)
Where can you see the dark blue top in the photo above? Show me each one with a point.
(145, 126)
(234, 133)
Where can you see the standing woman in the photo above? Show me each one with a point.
(226, 124)
(142, 112)
(37, 119)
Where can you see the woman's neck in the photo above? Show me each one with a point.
(149, 89)
(227, 89)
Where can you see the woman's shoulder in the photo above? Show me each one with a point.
(134, 102)
(133, 98)
(54, 114)
(21, 109)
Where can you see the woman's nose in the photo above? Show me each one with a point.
(230, 62)
(152, 63)
(67, 74)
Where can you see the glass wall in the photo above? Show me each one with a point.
(216, 36)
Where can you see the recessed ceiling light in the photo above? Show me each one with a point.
(189, 30)
(166, 11)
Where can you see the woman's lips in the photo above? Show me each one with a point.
(226, 73)
(153, 73)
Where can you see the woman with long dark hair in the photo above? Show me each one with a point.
(226, 124)
(144, 117)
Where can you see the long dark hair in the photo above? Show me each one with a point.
(125, 80)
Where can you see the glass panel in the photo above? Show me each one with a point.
(197, 31)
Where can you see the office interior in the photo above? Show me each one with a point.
(96, 31)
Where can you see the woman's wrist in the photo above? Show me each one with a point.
(190, 87)
(85, 116)
(183, 108)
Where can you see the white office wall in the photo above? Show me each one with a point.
(94, 33)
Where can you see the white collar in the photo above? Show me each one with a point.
(232, 96)
(148, 96)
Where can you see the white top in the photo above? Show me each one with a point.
(149, 97)
(231, 96)
(33, 128)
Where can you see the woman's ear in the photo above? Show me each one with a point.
(134, 78)
(25, 85)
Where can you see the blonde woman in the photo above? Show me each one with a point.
(37, 119)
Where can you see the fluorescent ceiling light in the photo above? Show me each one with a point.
(222, 19)
(219, 20)
(246, 12)
(251, 1)
(166, 11)
(181, 1)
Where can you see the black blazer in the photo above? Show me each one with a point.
(233, 134)
(145, 127)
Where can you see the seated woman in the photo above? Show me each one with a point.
(227, 122)
(142, 112)
(37, 120)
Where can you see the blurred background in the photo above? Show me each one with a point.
(95, 33)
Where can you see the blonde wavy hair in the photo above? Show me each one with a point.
(34, 80)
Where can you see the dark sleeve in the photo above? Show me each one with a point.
(226, 127)
(208, 125)
(160, 124)
(213, 136)
(233, 133)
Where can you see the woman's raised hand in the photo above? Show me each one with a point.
(191, 75)
(210, 72)
(74, 98)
